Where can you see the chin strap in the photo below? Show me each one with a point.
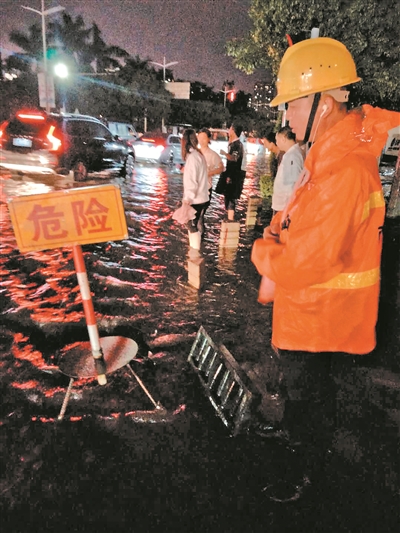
(317, 97)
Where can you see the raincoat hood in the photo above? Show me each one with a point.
(364, 129)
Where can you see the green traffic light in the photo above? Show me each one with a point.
(51, 53)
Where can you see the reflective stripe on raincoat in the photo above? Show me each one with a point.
(326, 260)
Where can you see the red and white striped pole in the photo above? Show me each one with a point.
(97, 353)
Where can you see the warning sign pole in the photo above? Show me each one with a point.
(97, 353)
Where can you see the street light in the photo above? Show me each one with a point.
(164, 65)
(61, 70)
(43, 14)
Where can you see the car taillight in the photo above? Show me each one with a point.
(3, 134)
(144, 139)
(30, 116)
(55, 142)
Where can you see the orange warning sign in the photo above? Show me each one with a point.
(63, 218)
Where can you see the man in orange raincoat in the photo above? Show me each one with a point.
(322, 252)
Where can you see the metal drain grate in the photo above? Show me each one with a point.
(228, 387)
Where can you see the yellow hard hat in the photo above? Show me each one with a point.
(313, 66)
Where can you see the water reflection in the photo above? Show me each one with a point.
(184, 475)
(142, 276)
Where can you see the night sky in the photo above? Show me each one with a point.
(192, 33)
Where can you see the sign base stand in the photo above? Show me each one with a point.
(78, 363)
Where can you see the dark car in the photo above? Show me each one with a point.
(27, 143)
(80, 143)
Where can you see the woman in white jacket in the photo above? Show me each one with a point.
(195, 183)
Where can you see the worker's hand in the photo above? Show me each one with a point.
(269, 234)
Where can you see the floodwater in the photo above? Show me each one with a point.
(106, 468)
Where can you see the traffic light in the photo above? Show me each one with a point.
(51, 53)
(232, 96)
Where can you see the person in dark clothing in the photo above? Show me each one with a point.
(234, 174)
(275, 157)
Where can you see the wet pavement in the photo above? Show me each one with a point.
(115, 463)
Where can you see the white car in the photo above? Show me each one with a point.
(219, 140)
(126, 132)
(172, 153)
(159, 148)
(254, 146)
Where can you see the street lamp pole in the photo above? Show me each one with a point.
(164, 65)
(43, 14)
(225, 93)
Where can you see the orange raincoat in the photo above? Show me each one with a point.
(326, 260)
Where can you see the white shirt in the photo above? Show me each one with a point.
(288, 172)
(195, 178)
(213, 161)
(243, 140)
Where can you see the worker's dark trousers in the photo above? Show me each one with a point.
(309, 391)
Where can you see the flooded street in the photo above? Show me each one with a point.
(105, 469)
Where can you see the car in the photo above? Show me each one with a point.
(157, 147)
(172, 153)
(26, 144)
(219, 139)
(89, 146)
(388, 161)
(254, 146)
(149, 146)
(79, 143)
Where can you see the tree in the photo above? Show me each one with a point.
(15, 62)
(368, 28)
(124, 95)
(66, 36)
(198, 113)
(71, 38)
(18, 93)
(31, 43)
(240, 104)
(104, 56)
(145, 91)
(201, 92)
